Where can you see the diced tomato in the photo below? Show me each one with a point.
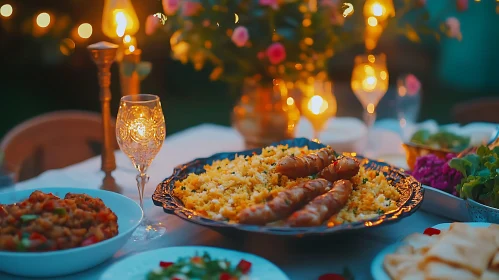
(331, 276)
(244, 266)
(3, 212)
(165, 264)
(49, 205)
(431, 231)
(103, 216)
(37, 236)
(89, 241)
(225, 276)
(196, 259)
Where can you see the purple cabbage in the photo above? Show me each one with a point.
(435, 172)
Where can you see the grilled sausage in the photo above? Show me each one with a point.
(285, 203)
(322, 207)
(296, 167)
(343, 168)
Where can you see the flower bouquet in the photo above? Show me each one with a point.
(269, 39)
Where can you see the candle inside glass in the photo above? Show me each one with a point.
(319, 105)
(370, 80)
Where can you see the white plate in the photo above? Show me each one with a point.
(377, 270)
(63, 262)
(444, 204)
(138, 266)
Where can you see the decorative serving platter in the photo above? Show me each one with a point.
(411, 196)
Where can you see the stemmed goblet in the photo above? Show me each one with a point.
(370, 84)
(140, 131)
(318, 105)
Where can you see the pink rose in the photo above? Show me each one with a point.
(276, 53)
(152, 24)
(462, 5)
(240, 36)
(170, 7)
(190, 8)
(412, 84)
(270, 3)
(453, 28)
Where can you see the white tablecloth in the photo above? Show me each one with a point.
(299, 259)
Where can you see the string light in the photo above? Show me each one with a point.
(6, 10)
(85, 30)
(43, 20)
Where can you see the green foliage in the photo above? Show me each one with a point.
(480, 171)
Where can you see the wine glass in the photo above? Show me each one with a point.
(318, 105)
(370, 84)
(140, 131)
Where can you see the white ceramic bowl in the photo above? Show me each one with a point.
(63, 262)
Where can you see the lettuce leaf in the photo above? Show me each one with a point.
(481, 175)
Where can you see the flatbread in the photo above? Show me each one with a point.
(442, 271)
(405, 249)
(461, 242)
(490, 275)
(420, 243)
(495, 229)
(494, 264)
(460, 253)
(396, 265)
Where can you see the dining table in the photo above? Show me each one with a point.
(304, 258)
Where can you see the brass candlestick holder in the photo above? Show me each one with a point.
(104, 54)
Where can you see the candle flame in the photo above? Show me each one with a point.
(348, 9)
(377, 9)
(121, 24)
(131, 48)
(317, 105)
(236, 18)
(369, 83)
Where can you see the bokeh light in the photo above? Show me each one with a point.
(6, 10)
(127, 39)
(67, 46)
(85, 30)
(43, 20)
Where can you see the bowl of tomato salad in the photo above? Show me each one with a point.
(201, 267)
(60, 231)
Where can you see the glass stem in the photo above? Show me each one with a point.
(142, 180)
(369, 119)
(316, 135)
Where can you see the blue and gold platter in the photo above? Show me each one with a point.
(411, 196)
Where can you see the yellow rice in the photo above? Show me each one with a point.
(227, 187)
